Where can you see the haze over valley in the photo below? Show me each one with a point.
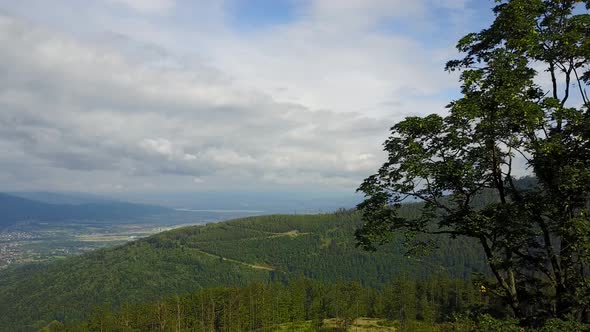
(39, 226)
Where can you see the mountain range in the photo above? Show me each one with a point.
(14, 209)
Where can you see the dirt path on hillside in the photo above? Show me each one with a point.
(254, 266)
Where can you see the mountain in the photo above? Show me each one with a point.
(69, 198)
(238, 252)
(14, 209)
(261, 202)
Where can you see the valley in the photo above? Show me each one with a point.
(33, 242)
(39, 227)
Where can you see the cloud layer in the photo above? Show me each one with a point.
(153, 103)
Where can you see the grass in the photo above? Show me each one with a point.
(362, 324)
(365, 324)
(254, 266)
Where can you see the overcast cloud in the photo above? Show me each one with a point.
(134, 95)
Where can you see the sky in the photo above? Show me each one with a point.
(217, 95)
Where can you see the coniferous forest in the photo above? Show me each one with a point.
(301, 273)
(270, 249)
(301, 304)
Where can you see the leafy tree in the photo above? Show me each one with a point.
(536, 237)
(53, 326)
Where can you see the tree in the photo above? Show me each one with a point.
(54, 326)
(536, 237)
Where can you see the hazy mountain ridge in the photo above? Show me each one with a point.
(15, 209)
(64, 198)
(272, 202)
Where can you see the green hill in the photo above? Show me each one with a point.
(233, 253)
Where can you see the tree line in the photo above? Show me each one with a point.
(265, 306)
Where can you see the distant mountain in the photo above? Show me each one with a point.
(238, 252)
(257, 202)
(70, 198)
(15, 209)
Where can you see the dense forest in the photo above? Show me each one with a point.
(435, 304)
(403, 303)
(275, 248)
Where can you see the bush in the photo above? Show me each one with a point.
(558, 325)
(489, 324)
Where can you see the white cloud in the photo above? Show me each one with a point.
(159, 104)
(148, 6)
(81, 108)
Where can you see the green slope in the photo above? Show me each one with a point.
(236, 252)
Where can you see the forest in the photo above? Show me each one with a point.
(276, 248)
(437, 303)
(403, 304)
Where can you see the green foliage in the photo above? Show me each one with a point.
(557, 325)
(536, 238)
(54, 326)
(302, 305)
(488, 323)
(234, 253)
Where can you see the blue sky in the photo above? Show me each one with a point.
(194, 95)
(257, 14)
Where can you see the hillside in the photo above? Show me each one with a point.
(14, 209)
(302, 305)
(238, 252)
